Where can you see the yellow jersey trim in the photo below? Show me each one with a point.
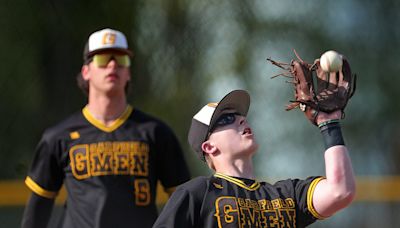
(170, 190)
(39, 190)
(238, 182)
(310, 194)
(114, 125)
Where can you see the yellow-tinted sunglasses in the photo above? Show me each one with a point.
(101, 60)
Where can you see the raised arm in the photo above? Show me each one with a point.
(318, 91)
(338, 189)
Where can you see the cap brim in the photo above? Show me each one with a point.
(238, 100)
(119, 50)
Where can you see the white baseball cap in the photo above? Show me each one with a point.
(204, 120)
(106, 39)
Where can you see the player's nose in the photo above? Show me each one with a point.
(112, 63)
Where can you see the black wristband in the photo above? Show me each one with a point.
(332, 134)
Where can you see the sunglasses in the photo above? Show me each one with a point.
(225, 119)
(101, 60)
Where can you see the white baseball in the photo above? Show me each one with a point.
(331, 61)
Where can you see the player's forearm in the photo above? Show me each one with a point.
(338, 190)
(339, 175)
(339, 171)
(37, 212)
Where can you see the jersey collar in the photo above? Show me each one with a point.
(114, 125)
(238, 182)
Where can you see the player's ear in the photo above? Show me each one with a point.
(85, 72)
(208, 147)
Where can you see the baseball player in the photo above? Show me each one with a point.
(109, 155)
(232, 197)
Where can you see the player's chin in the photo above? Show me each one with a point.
(113, 89)
(252, 147)
(255, 146)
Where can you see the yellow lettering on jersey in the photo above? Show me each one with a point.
(276, 203)
(139, 159)
(101, 159)
(109, 158)
(142, 192)
(288, 218)
(265, 204)
(280, 203)
(289, 203)
(251, 213)
(121, 163)
(270, 218)
(226, 211)
(249, 217)
(80, 161)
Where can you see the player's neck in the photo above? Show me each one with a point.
(237, 168)
(107, 109)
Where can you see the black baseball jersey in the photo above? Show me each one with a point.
(110, 172)
(225, 201)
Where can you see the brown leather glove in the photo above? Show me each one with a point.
(316, 90)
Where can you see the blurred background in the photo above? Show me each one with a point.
(188, 53)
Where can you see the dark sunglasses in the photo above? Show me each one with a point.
(225, 119)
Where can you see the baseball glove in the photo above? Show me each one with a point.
(316, 90)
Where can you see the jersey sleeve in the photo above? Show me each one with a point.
(37, 212)
(178, 212)
(171, 164)
(302, 191)
(184, 206)
(309, 201)
(45, 176)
